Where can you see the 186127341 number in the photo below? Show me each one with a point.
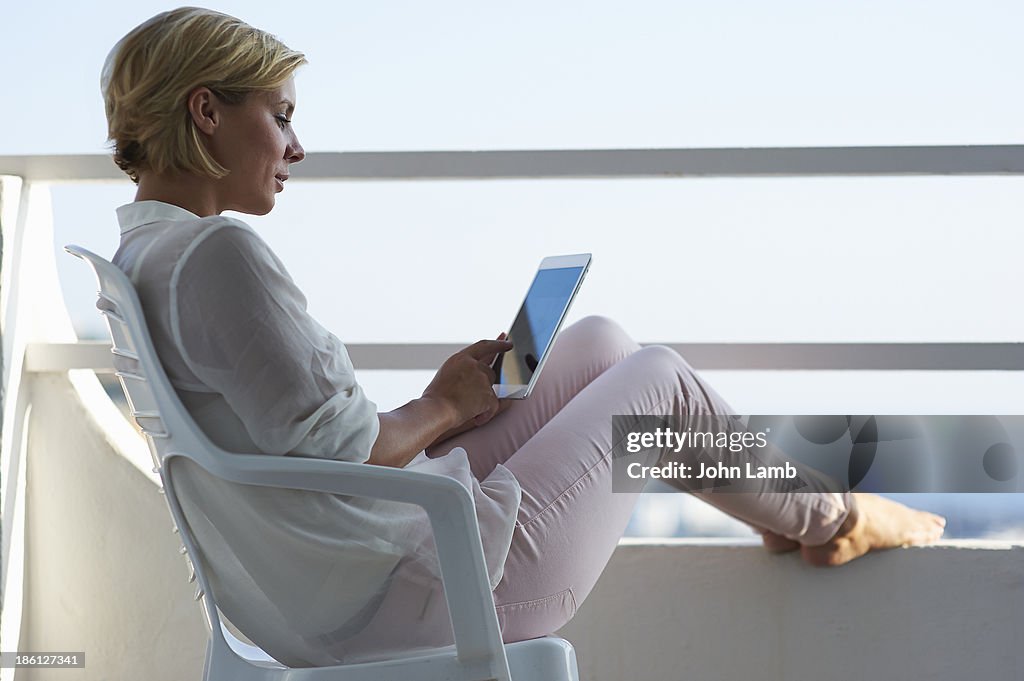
(38, 659)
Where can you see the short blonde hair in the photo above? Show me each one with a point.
(149, 74)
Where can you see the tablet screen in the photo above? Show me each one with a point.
(535, 326)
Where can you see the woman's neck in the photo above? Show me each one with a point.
(192, 193)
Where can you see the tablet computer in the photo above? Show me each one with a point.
(533, 332)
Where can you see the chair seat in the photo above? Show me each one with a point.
(542, 659)
(539, 659)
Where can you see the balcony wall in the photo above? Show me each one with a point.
(103, 571)
(104, 576)
(712, 610)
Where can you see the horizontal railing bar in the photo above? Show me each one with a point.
(46, 357)
(760, 356)
(95, 355)
(590, 163)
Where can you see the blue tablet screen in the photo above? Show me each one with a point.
(536, 324)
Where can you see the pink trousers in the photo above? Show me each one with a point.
(558, 445)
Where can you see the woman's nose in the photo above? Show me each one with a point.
(295, 151)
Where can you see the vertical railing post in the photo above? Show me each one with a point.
(32, 310)
(13, 193)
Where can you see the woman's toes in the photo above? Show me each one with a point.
(776, 543)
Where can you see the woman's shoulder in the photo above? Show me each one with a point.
(212, 239)
(219, 251)
(221, 230)
(164, 247)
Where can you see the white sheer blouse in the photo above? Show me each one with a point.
(297, 572)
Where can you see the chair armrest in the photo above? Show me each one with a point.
(447, 503)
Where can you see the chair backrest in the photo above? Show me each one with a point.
(154, 405)
(152, 400)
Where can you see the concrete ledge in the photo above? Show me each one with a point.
(103, 575)
(683, 609)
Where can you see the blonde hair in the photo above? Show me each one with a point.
(149, 74)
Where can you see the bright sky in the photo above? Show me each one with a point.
(468, 75)
(899, 259)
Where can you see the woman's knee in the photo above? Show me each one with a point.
(664, 359)
(598, 333)
(661, 365)
(664, 367)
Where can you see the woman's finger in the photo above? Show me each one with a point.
(481, 349)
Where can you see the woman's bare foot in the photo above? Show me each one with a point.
(776, 543)
(874, 524)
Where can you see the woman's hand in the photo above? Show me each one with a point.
(874, 524)
(464, 384)
(459, 398)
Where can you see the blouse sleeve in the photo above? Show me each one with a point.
(242, 327)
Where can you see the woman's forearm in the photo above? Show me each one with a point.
(409, 429)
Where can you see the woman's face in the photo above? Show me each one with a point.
(256, 143)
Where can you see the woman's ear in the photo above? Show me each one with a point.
(202, 107)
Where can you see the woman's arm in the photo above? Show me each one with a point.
(408, 429)
(460, 397)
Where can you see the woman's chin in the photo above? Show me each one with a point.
(259, 207)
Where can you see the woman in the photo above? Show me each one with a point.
(199, 108)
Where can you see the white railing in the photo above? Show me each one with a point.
(95, 356)
(608, 163)
(589, 163)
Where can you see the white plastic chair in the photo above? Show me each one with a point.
(478, 652)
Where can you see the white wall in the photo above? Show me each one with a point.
(702, 611)
(104, 576)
